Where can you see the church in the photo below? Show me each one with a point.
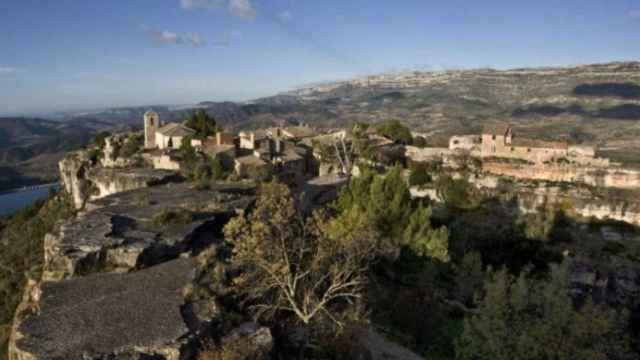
(158, 136)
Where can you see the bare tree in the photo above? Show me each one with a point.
(302, 267)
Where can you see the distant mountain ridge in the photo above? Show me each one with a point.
(599, 104)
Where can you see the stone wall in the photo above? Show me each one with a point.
(426, 154)
(164, 162)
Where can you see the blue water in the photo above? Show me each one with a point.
(14, 201)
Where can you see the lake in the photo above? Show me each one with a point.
(11, 202)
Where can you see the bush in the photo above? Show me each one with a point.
(173, 217)
(395, 131)
(131, 146)
(420, 142)
(99, 139)
(524, 318)
(419, 174)
(21, 254)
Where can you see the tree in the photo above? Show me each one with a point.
(99, 139)
(419, 141)
(202, 123)
(131, 146)
(386, 202)
(301, 267)
(395, 131)
(524, 318)
(454, 192)
(384, 199)
(422, 239)
(188, 156)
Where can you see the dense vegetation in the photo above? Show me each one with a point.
(21, 253)
(466, 279)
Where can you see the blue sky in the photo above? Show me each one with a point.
(67, 54)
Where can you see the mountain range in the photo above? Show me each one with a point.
(595, 104)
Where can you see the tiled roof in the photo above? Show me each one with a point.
(259, 134)
(176, 130)
(251, 160)
(212, 149)
(299, 132)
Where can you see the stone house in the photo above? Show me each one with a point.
(170, 136)
(222, 147)
(499, 141)
(249, 166)
(251, 139)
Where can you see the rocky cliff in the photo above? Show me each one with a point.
(118, 280)
(85, 179)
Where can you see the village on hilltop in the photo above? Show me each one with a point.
(298, 153)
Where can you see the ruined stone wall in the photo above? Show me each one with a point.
(164, 162)
(465, 142)
(426, 154)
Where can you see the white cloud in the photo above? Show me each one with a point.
(166, 36)
(633, 14)
(196, 40)
(242, 9)
(285, 16)
(169, 37)
(10, 70)
(202, 4)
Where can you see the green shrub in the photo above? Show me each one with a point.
(395, 131)
(174, 217)
(131, 146)
(21, 253)
(419, 174)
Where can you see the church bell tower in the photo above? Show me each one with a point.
(151, 124)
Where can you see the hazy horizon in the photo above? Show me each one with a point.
(90, 55)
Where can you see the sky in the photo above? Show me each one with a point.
(86, 54)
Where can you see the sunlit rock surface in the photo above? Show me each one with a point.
(126, 231)
(103, 315)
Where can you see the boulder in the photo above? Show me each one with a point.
(109, 316)
(251, 338)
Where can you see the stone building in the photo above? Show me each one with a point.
(151, 125)
(251, 139)
(499, 141)
(171, 135)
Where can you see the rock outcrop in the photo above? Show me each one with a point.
(85, 180)
(108, 316)
(141, 228)
(118, 279)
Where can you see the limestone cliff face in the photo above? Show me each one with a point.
(86, 180)
(73, 170)
(612, 177)
(579, 201)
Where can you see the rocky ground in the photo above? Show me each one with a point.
(117, 278)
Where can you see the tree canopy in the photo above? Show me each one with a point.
(524, 318)
(305, 267)
(395, 131)
(202, 123)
